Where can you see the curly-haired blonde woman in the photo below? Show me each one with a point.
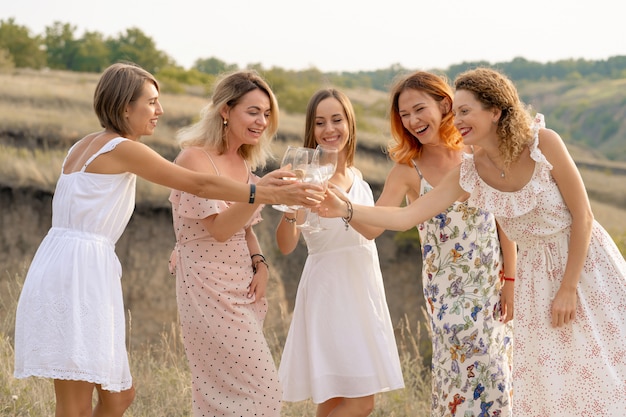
(569, 356)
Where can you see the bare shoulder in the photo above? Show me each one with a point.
(194, 158)
(551, 145)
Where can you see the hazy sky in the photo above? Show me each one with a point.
(347, 35)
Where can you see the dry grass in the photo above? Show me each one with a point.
(162, 377)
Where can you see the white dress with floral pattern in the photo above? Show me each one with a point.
(461, 276)
(578, 369)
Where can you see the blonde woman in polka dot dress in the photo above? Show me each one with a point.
(221, 274)
(569, 356)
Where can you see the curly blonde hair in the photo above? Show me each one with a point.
(495, 91)
(405, 146)
(210, 129)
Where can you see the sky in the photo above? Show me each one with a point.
(346, 35)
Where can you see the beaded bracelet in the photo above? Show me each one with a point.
(347, 219)
(261, 261)
(257, 254)
(290, 220)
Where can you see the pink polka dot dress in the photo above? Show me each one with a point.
(233, 372)
(578, 369)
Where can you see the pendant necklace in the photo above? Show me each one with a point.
(502, 175)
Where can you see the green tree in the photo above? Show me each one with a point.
(25, 50)
(92, 55)
(213, 66)
(135, 46)
(61, 47)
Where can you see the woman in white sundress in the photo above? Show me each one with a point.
(570, 292)
(340, 348)
(70, 316)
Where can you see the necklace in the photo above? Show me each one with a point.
(502, 175)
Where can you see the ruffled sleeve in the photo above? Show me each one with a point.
(193, 207)
(508, 204)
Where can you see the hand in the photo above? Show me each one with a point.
(334, 204)
(289, 192)
(506, 302)
(564, 307)
(258, 285)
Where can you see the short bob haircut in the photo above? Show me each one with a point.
(119, 85)
(309, 129)
(211, 130)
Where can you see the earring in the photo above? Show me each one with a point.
(225, 122)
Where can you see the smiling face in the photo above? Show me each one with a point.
(421, 115)
(143, 113)
(248, 119)
(471, 119)
(331, 124)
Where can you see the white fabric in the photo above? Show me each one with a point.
(340, 341)
(70, 317)
(578, 369)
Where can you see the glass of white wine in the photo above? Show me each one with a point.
(287, 164)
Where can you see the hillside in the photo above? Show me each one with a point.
(43, 113)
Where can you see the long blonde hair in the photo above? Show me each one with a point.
(210, 130)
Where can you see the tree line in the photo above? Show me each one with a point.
(59, 47)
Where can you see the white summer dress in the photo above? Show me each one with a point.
(70, 316)
(341, 341)
(577, 369)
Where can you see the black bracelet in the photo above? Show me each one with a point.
(252, 193)
(262, 261)
(290, 220)
(257, 254)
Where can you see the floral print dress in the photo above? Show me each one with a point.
(578, 369)
(462, 281)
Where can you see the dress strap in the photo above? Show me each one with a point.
(217, 172)
(417, 169)
(108, 147)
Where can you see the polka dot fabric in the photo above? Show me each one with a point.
(578, 369)
(233, 372)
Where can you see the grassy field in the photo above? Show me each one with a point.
(42, 113)
(162, 378)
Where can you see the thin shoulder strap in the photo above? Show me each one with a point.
(417, 169)
(211, 159)
(108, 147)
(68, 155)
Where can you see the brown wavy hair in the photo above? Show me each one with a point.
(405, 146)
(494, 90)
(309, 127)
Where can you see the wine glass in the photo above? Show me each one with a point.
(325, 162)
(288, 161)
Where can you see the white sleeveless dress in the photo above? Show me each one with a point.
(578, 369)
(70, 316)
(341, 341)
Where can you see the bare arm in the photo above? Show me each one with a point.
(393, 194)
(572, 189)
(509, 257)
(400, 218)
(135, 157)
(287, 234)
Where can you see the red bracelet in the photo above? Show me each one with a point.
(509, 279)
